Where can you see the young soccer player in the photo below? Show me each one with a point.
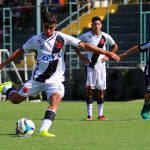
(48, 74)
(96, 66)
(142, 48)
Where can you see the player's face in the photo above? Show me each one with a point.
(49, 29)
(96, 26)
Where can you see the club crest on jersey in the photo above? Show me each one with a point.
(25, 90)
(58, 45)
(102, 41)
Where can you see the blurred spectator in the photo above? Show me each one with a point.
(82, 3)
(148, 1)
(1, 2)
(110, 2)
(18, 18)
(62, 3)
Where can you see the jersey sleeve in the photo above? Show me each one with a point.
(70, 40)
(81, 37)
(29, 45)
(110, 40)
(144, 47)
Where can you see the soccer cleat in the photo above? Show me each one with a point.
(5, 84)
(144, 112)
(89, 118)
(45, 133)
(102, 118)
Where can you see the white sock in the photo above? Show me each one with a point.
(46, 124)
(89, 109)
(100, 109)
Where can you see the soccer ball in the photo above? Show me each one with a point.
(25, 127)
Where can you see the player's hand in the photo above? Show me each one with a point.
(114, 56)
(87, 61)
(104, 59)
(122, 56)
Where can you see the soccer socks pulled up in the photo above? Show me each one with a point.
(90, 109)
(100, 109)
(100, 103)
(89, 101)
(48, 119)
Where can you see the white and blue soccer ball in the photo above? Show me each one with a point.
(25, 127)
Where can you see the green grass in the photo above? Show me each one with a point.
(125, 130)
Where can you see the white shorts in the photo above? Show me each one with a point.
(32, 88)
(96, 78)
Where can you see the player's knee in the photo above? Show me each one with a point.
(16, 99)
(147, 96)
(100, 100)
(89, 100)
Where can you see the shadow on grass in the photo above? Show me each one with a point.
(109, 120)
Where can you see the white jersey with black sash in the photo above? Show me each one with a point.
(99, 41)
(96, 70)
(50, 55)
(146, 48)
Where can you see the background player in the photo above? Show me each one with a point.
(142, 48)
(96, 67)
(48, 74)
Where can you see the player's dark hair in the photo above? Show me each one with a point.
(50, 18)
(96, 18)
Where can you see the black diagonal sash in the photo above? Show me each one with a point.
(95, 55)
(52, 64)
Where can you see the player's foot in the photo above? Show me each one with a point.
(89, 118)
(102, 118)
(144, 112)
(5, 84)
(45, 133)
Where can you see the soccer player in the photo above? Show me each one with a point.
(96, 67)
(142, 48)
(48, 74)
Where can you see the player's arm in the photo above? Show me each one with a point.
(114, 48)
(92, 48)
(128, 52)
(82, 57)
(17, 53)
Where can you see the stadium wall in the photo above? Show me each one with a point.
(122, 84)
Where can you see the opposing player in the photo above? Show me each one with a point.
(96, 66)
(142, 48)
(48, 74)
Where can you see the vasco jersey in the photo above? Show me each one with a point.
(50, 56)
(146, 48)
(99, 41)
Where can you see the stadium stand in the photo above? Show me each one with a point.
(124, 26)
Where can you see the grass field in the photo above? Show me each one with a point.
(125, 130)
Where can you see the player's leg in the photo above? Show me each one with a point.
(101, 87)
(90, 83)
(89, 101)
(100, 103)
(11, 93)
(146, 106)
(55, 93)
